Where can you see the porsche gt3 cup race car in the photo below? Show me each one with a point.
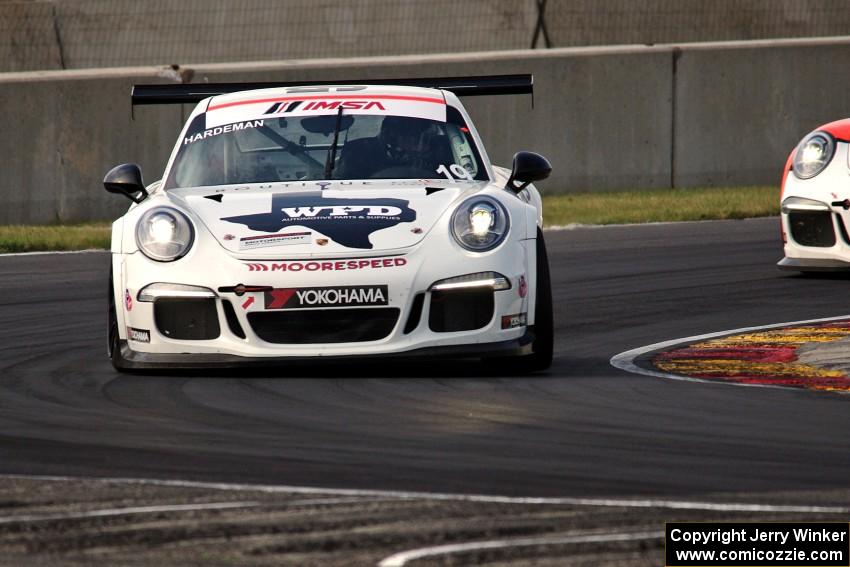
(815, 201)
(329, 221)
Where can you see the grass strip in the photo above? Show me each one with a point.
(660, 205)
(30, 238)
(620, 207)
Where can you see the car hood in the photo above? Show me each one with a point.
(322, 218)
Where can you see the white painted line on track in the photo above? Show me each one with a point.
(108, 512)
(401, 559)
(54, 252)
(626, 360)
(480, 498)
(334, 501)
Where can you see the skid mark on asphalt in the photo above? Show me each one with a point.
(764, 356)
(129, 511)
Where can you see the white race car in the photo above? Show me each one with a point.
(329, 221)
(815, 201)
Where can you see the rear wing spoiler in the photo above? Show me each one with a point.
(461, 86)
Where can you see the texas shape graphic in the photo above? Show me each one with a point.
(347, 221)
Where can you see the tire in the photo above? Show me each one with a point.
(113, 342)
(543, 328)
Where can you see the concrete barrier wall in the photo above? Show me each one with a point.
(740, 109)
(61, 133)
(608, 118)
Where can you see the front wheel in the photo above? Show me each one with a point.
(543, 328)
(113, 342)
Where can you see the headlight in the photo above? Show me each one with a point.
(480, 224)
(813, 155)
(164, 234)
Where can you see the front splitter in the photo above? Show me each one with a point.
(812, 265)
(135, 360)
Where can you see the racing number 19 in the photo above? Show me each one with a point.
(454, 171)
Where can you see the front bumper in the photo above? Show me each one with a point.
(405, 281)
(816, 217)
(816, 241)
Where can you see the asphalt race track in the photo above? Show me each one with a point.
(582, 429)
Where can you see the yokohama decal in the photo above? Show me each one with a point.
(138, 335)
(318, 297)
(327, 265)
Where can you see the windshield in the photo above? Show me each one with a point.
(299, 149)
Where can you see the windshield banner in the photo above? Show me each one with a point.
(431, 107)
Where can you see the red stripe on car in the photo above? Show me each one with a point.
(360, 96)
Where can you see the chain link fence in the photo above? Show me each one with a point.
(605, 22)
(72, 34)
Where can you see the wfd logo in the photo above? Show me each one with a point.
(347, 221)
(345, 211)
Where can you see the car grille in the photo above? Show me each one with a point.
(324, 325)
(186, 319)
(460, 310)
(812, 228)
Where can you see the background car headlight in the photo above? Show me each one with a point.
(813, 155)
(480, 223)
(164, 234)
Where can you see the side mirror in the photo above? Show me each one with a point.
(528, 167)
(126, 179)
